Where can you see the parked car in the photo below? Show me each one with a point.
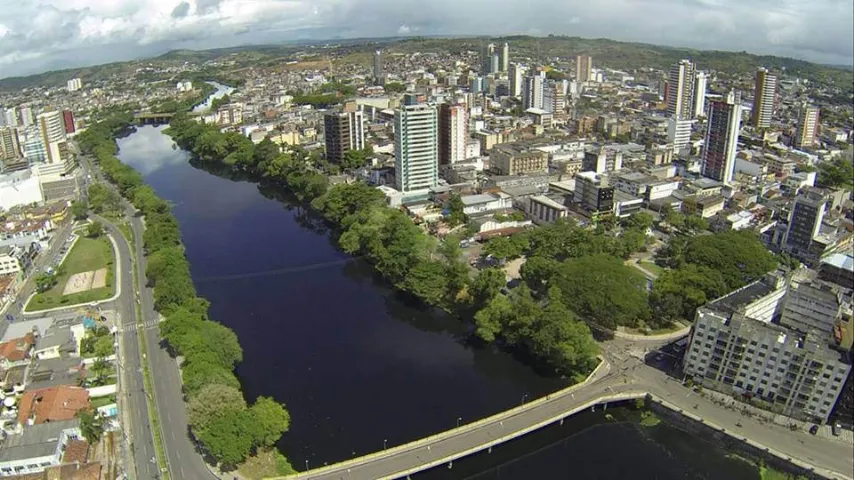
(814, 429)
(836, 428)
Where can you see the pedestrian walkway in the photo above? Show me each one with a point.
(132, 327)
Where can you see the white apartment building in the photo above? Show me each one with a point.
(678, 133)
(680, 90)
(416, 149)
(700, 85)
(533, 92)
(807, 127)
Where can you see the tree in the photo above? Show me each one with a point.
(229, 437)
(490, 320)
(103, 346)
(561, 339)
(503, 248)
(91, 426)
(198, 374)
(45, 281)
(696, 223)
(601, 289)
(79, 210)
(738, 255)
(839, 172)
(677, 293)
(456, 211)
(95, 229)
(638, 221)
(427, 281)
(211, 402)
(394, 87)
(537, 272)
(103, 199)
(100, 369)
(270, 420)
(487, 285)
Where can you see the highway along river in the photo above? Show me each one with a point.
(358, 367)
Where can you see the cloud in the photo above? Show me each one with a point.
(39, 34)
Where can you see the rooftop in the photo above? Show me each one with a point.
(469, 200)
(840, 261)
(548, 202)
(740, 298)
(16, 349)
(52, 404)
(36, 441)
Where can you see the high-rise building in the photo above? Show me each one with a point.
(486, 57)
(805, 222)
(343, 131)
(593, 193)
(504, 58)
(52, 129)
(722, 139)
(583, 68)
(764, 95)
(453, 133)
(34, 147)
(532, 92)
(678, 133)
(516, 73)
(379, 71)
(416, 149)
(738, 346)
(477, 84)
(10, 144)
(700, 85)
(68, 121)
(27, 117)
(680, 90)
(74, 84)
(808, 126)
(11, 117)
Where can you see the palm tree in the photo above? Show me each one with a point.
(91, 426)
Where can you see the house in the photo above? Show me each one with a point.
(38, 447)
(58, 339)
(16, 351)
(486, 202)
(52, 404)
(543, 209)
(704, 206)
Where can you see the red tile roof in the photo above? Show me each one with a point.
(16, 349)
(53, 404)
(76, 452)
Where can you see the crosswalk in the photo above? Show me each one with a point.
(133, 327)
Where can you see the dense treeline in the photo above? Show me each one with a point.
(220, 419)
(407, 258)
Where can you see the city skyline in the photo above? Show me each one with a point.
(52, 35)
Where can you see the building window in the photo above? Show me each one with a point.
(739, 384)
(753, 342)
(752, 379)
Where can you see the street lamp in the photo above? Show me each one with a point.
(524, 396)
(385, 443)
(459, 419)
(306, 464)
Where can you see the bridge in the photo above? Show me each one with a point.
(623, 378)
(153, 118)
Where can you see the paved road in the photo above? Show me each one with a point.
(184, 461)
(627, 374)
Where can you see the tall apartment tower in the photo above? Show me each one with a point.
(722, 139)
(416, 151)
(379, 71)
(583, 68)
(10, 143)
(808, 126)
(504, 58)
(52, 129)
(764, 95)
(516, 73)
(453, 133)
(27, 117)
(11, 117)
(680, 90)
(532, 92)
(344, 131)
(700, 85)
(805, 221)
(486, 58)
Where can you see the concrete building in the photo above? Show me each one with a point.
(543, 209)
(813, 305)
(504, 58)
(515, 75)
(10, 143)
(583, 68)
(738, 346)
(680, 90)
(533, 92)
(37, 447)
(379, 70)
(343, 131)
(486, 57)
(700, 85)
(9, 264)
(19, 188)
(486, 202)
(68, 122)
(804, 223)
(593, 193)
(602, 160)
(453, 133)
(73, 84)
(764, 96)
(719, 149)
(416, 147)
(678, 133)
(517, 159)
(27, 117)
(10, 117)
(705, 206)
(52, 129)
(808, 127)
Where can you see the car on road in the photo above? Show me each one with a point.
(836, 429)
(813, 429)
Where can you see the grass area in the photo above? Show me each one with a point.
(87, 254)
(652, 268)
(102, 401)
(766, 472)
(649, 419)
(265, 464)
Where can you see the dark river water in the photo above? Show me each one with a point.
(356, 365)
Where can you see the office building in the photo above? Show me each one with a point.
(700, 86)
(52, 129)
(416, 147)
(10, 143)
(453, 133)
(805, 222)
(724, 124)
(74, 84)
(583, 68)
(27, 117)
(532, 92)
(601, 160)
(680, 90)
(516, 74)
(678, 133)
(738, 346)
(379, 71)
(764, 96)
(517, 159)
(504, 58)
(343, 131)
(68, 121)
(808, 127)
(594, 194)
(486, 57)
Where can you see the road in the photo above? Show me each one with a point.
(627, 374)
(182, 457)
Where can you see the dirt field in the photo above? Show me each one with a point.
(78, 282)
(99, 280)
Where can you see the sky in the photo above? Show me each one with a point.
(42, 35)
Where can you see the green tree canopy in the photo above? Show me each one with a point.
(211, 402)
(738, 255)
(270, 420)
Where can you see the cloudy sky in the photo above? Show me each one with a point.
(39, 35)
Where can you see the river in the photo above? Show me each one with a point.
(358, 368)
